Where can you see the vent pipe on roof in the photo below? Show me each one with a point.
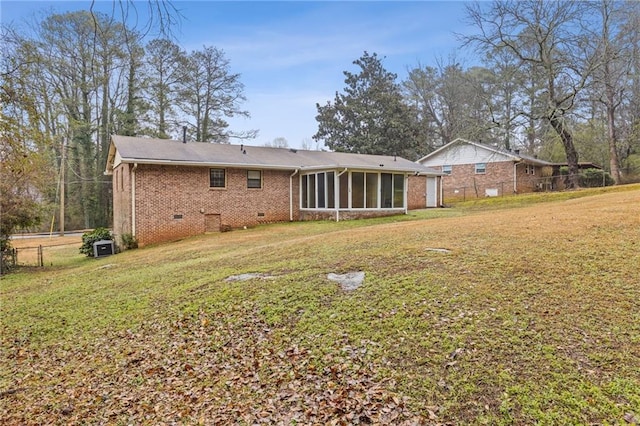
(517, 151)
(184, 134)
(241, 147)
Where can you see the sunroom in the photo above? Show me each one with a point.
(352, 193)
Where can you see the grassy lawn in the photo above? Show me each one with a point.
(530, 316)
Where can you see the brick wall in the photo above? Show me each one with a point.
(464, 182)
(416, 192)
(175, 202)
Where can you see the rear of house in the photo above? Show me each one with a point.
(166, 190)
(471, 170)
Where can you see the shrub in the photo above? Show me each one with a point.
(129, 242)
(88, 238)
(591, 178)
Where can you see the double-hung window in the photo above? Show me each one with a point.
(217, 178)
(446, 169)
(254, 179)
(481, 168)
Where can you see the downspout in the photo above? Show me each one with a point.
(515, 177)
(441, 191)
(336, 195)
(133, 199)
(291, 194)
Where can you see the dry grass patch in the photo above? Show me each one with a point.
(531, 316)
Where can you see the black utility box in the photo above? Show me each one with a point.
(103, 248)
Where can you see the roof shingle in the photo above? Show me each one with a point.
(163, 151)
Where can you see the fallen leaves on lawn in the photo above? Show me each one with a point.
(199, 369)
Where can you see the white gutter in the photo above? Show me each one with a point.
(336, 195)
(291, 194)
(164, 162)
(133, 199)
(209, 164)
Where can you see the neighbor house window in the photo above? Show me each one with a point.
(254, 179)
(217, 178)
(481, 168)
(531, 170)
(446, 169)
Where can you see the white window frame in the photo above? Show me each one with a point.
(254, 179)
(224, 177)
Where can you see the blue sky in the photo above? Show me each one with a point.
(292, 55)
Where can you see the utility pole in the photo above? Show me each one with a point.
(62, 167)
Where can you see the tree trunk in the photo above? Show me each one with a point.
(613, 143)
(570, 150)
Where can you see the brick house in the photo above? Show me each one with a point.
(165, 190)
(471, 169)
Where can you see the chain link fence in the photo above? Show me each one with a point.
(34, 254)
(535, 184)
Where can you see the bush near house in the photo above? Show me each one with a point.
(88, 238)
(591, 178)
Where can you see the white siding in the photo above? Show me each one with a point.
(464, 154)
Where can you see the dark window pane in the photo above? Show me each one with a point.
(312, 191)
(387, 190)
(372, 190)
(398, 191)
(254, 179)
(331, 191)
(357, 190)
(321, 194)
(216, 178)
(344, 191)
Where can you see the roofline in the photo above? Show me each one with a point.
(456, 140)
(268, 166)
(206, 164)
(513, 156)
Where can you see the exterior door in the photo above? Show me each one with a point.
(432, 192)
(211, 223)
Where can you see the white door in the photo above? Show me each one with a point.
(432, 192)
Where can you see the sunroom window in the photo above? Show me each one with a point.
(357, 190)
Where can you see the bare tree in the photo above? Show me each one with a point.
(451, 101)
(154, 17)
(279, 142)
(165, 63)
(614, 48)
(547, 37)
(209, 94)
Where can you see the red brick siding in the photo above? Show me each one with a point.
(417, 192)
(164, 193)
(174, 202)
(464, 182)
(528, 182)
